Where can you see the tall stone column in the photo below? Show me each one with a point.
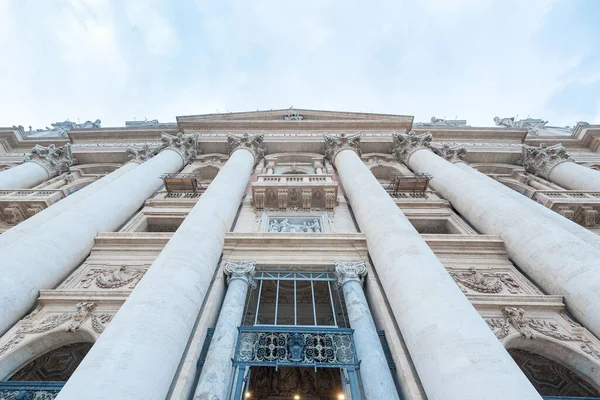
(555, 259)
(377, 379)
(42, 164)
(46, 256)
(138, 354)
(456, 155)
(217, 371)
(554, 164)
(137, 155)
(450, 344)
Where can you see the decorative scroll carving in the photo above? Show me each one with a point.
(350, 271)
(114, 278)
(486, 282)
(450, 153)
(336, 143)
(530, 328)
(84, 311)
(285, 226)
(244, 270)
(55, 160)
(141, 154)
(541, 160)
(185, 145)
(406, 144)
(253, 143)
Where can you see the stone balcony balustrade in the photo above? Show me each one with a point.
(18, 205)
(579, 206)
(294, 192)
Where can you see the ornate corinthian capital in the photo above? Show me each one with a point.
(244, 270)
(451, 153)
(541, 160)
(406, 144)
(253, 143)
(336, 143)
(55, 160)
(141, 154)
(185, 145)
(350, 271)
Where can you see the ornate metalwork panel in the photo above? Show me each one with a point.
(21, 390)
(332, 348)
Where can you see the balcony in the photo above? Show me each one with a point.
(29, 390)
(18, 205)
(294, 192)
(579, 206)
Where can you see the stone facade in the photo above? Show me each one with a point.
(300, 253)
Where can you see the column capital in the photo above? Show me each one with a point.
(253, 143)
(141, 154)
(541, 160)
(454, 154)
(243, 270)
(185, 145)
(336, 143)
(407, 143)
(347, 271)
(55, 160)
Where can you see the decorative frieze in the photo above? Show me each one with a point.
(254, 143)
(350, 271)
(336, 143)
(484, 282)
(185, 145)
(114, 278)
(453, 154)
(55, 160)
(541, 160)
(141, 154)
(407, 143)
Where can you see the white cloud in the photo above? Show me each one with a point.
(148, 16)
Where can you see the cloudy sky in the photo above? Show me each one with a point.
(471, 59)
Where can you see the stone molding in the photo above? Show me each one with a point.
(454, 154)
(141, 154)
(347, 271)
(253, 143)
(336, 143)
(55, 160)
(185, 145)
(405, 144)
(244, 270)
(541, 160)
(533, 328)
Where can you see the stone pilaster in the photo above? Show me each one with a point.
(454, 154)
(185, 145)
(405, 144)
(217, 371)
(252, 143)
(141, 154)
(543, 159)
(336, 143)
(55, 160)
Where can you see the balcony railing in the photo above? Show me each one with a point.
(294, 192)
(580, 206)
(26, 390)
(18, 205)
(182, 182)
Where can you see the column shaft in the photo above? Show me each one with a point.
(377, 379)
(566, 224)
(26, 227)
(450, 344)
(573, 176)
(138, 354)
(46, 256)
(555, 259)
(217, 371)
(23, 176)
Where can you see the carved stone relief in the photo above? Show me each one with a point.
(185, 145)
(406, 144)
(55, 160)
(336, 143)
(486, 282)
(31, 324)
(115, 278)
(541, 160)
(532, 328)
(253, 143)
